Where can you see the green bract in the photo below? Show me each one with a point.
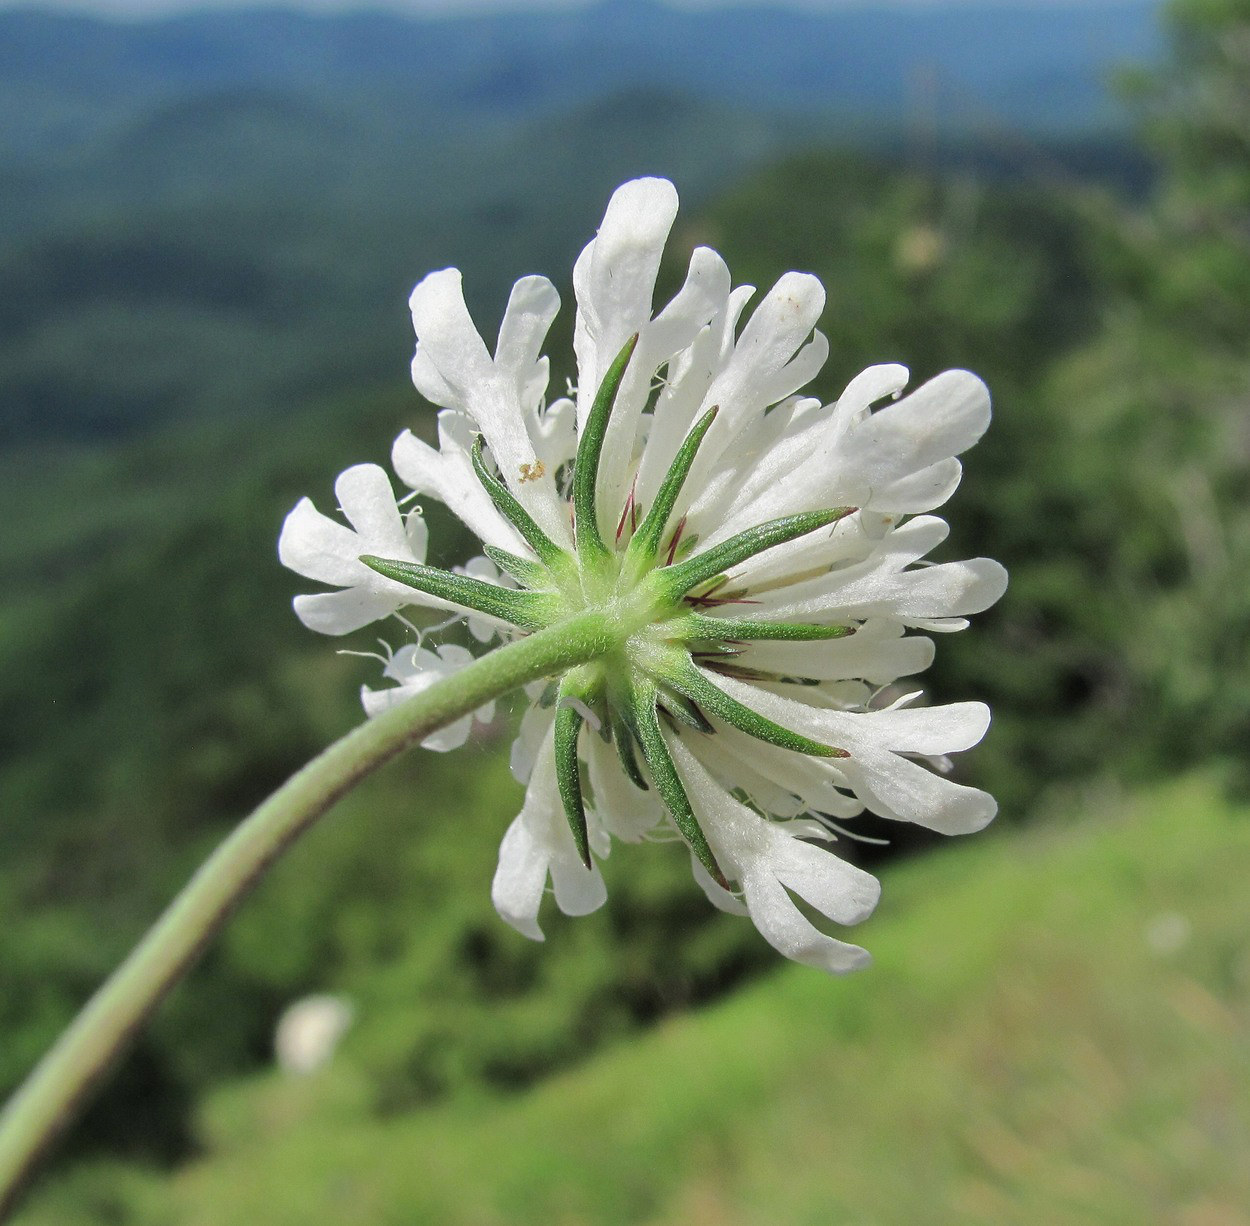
(650, 603)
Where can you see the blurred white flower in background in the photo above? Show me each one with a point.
(309, 1032)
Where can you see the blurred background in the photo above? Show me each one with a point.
(210, 219)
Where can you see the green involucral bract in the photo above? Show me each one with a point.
(650, 599)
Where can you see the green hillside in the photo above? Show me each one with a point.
(1057, 1029)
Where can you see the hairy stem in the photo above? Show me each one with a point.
(43, 1106)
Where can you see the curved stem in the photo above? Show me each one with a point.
(45, 1103)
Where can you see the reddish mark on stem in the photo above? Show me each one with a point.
(716, 602)
(629, 512)
(672, 545)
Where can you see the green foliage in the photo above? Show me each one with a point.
(153, 683)
(1055, 1031)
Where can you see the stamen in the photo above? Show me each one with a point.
(825, 820)
(364, 655)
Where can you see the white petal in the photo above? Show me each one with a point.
(734, 765)
(448, 341)
(767, 858)
(947, 590)
(347, 610)
(414, 669)
(577, 891)
(453, 736)
(719, 897)
(535, 725)
(537, 843)
(876, 653)
(942, 418)
(874, 459)
(809, 784)
(532, 306)
(761, 371)
(684, 395)
(488, 393)
(629, 813)
(882, 585)
(320, 548)
(841, 891)
(789, 932)
(926, 730)
(614, 279)
(365, 495)
(705, 292)
(869, 386)
(317, 547)
(897, 788)
(889, 783)
(447, 474)
(919, 491)
(520, 878)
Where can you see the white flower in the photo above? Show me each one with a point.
(317, 547)
(309, 1031)
(762, 556)
(414, 669)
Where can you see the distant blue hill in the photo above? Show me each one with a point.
(954, 68)
(233, 206)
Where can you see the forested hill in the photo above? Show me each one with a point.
(1042, 67)
(226, 211)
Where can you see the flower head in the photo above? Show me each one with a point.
(758, 555)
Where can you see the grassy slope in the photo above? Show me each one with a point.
(1055, 1031)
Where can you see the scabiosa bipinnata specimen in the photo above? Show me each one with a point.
(758, 558)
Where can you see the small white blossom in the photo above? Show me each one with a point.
(414, 669)
(317, 547)
(309, 1031)
(776, 545)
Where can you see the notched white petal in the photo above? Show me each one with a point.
(887, 781)
(769, 861)
(446, 473)
(453, 368)
(321, 548)
(614, 278)
(537, 844)
(414, 669)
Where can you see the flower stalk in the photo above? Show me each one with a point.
(728, 645)
(45, 1104)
